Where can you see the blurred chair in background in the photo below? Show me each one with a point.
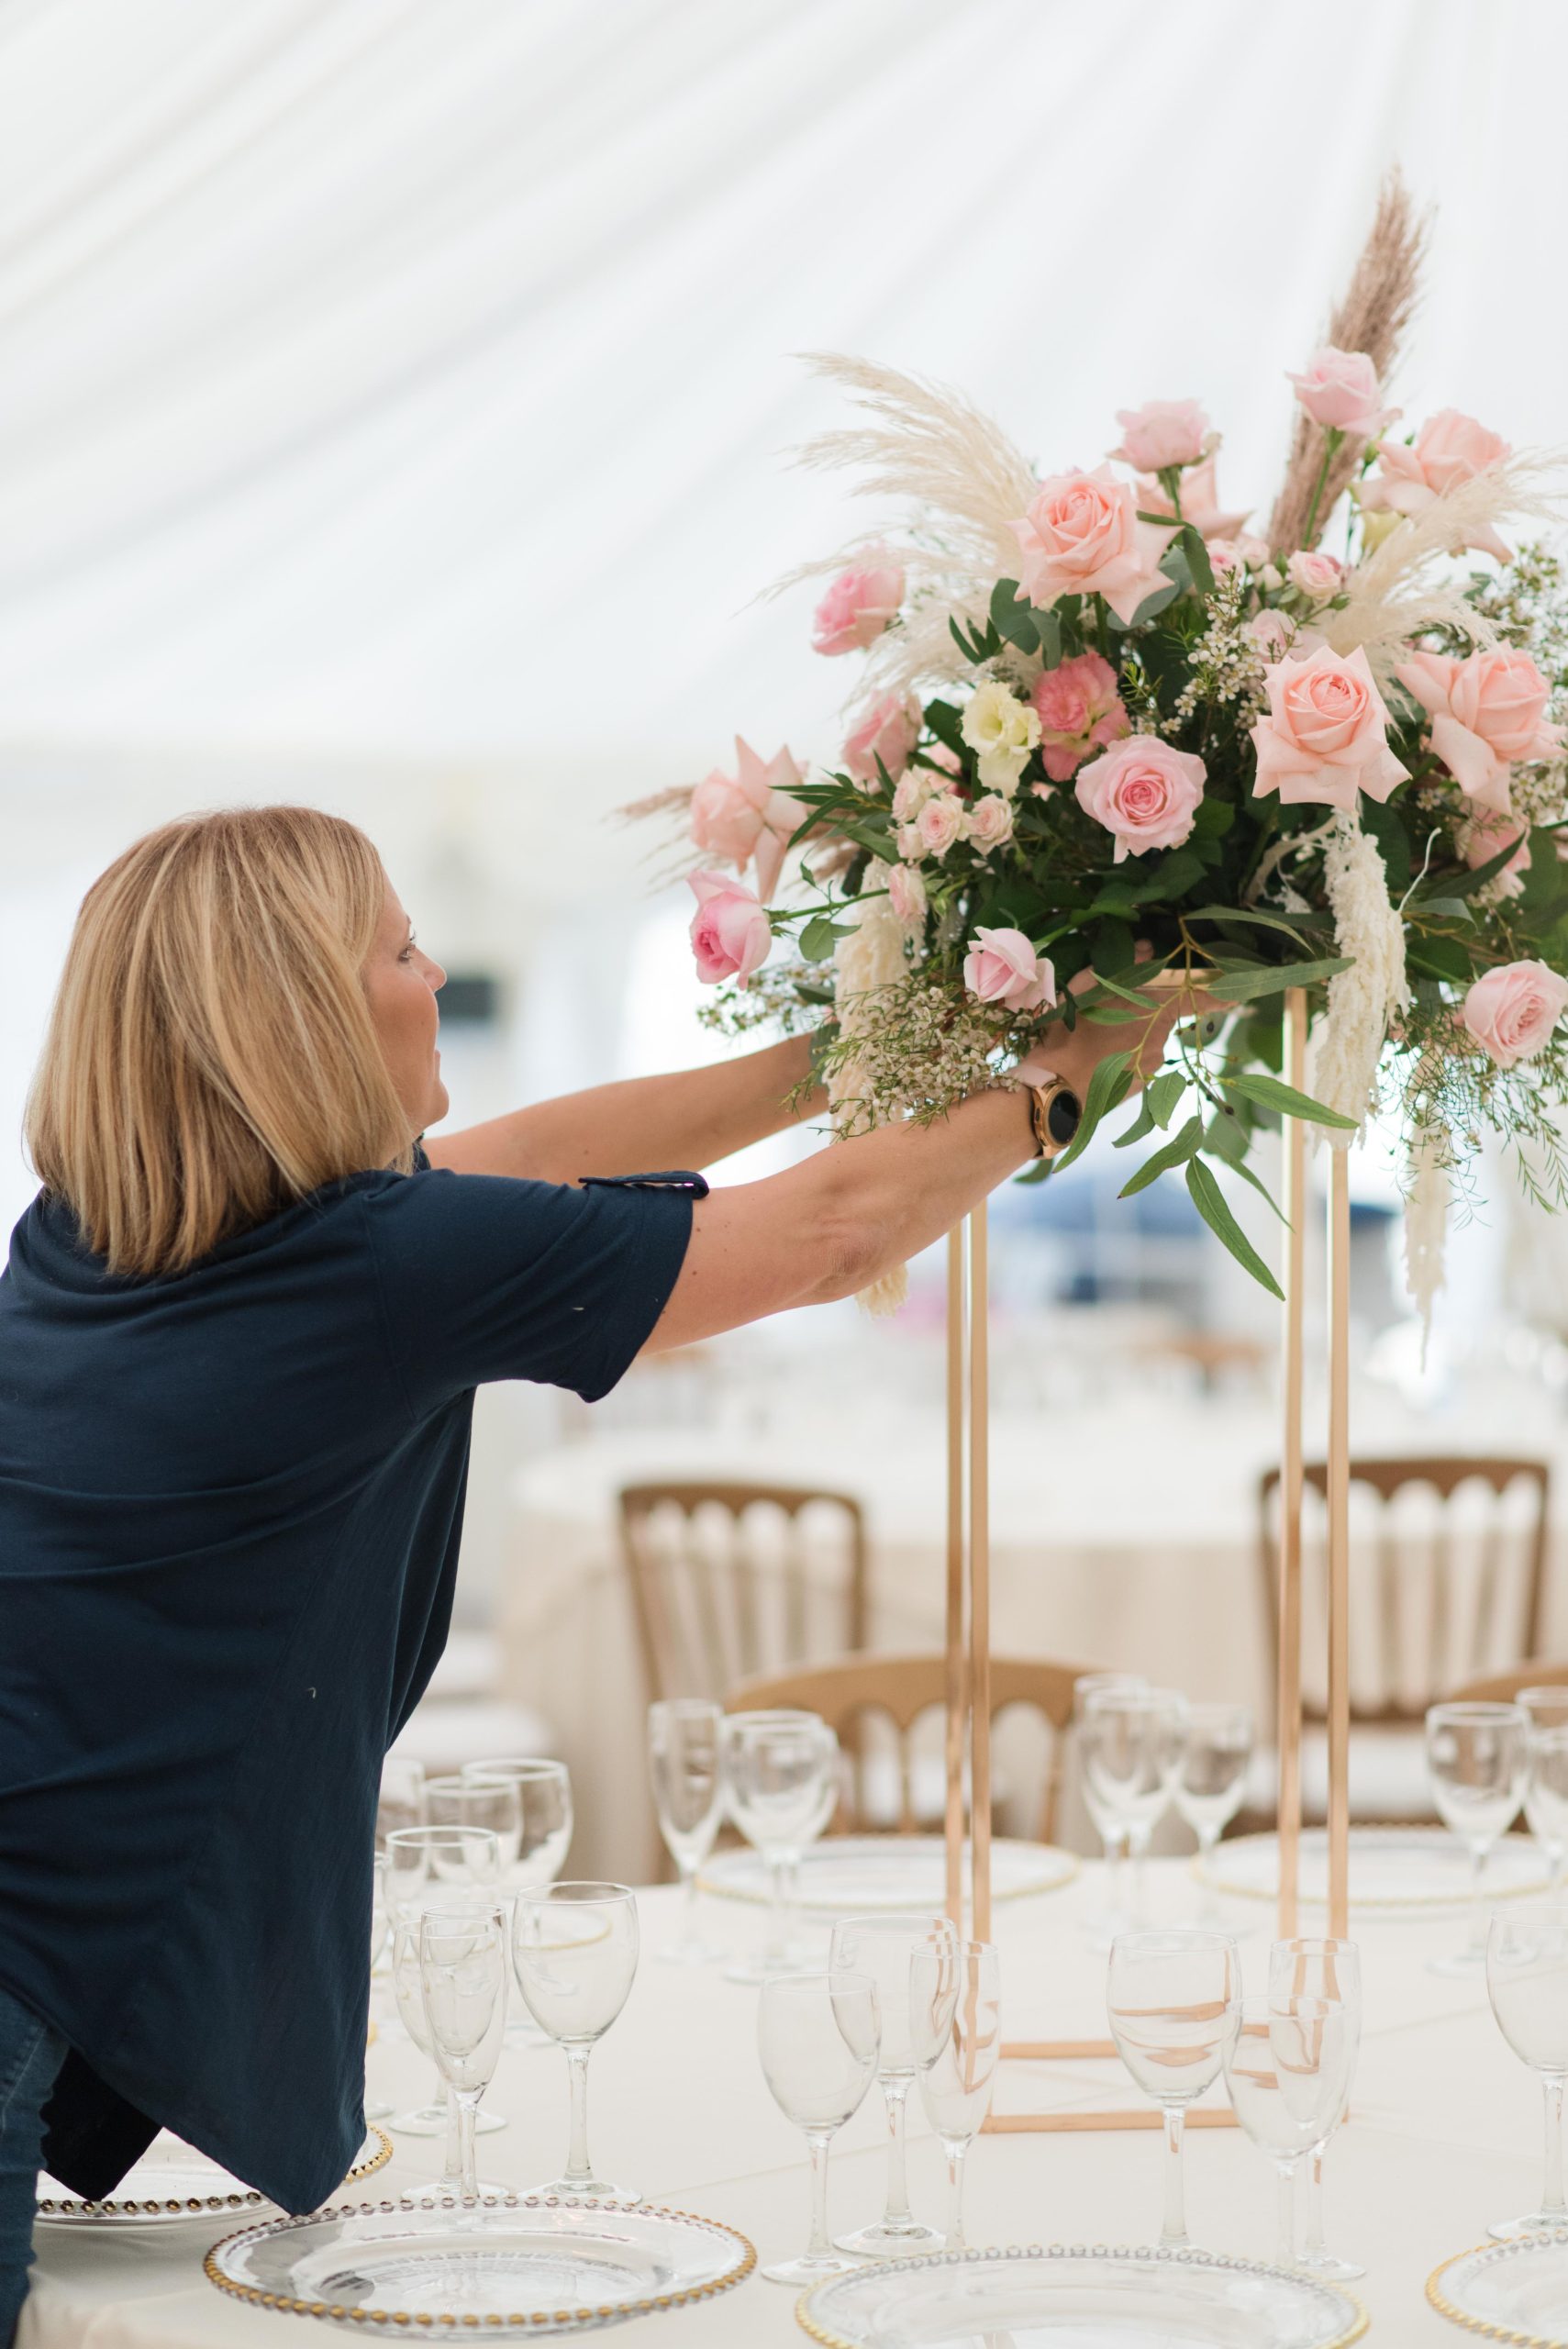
(881, 1706)
(733, 1579)
(1502, 1687)
(1448, 1569)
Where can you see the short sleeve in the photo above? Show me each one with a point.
(484, 1277)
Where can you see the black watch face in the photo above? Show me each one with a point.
(1063, 1115)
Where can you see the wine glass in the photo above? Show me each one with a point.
(1476, 1756)
(686, 1760)
(1320, 1966)
(955, 2022)
(817, 2036)
(545, 1822)
(1174, 2000)
(781, 1776)
(1098, 1931)
(462, 1986)
(424, 1864)
(1546, 1794)
(489, 1802)
(1288, 2072)
(1527, 1979)
(1211, 1780)
(1544, 1708)
(883, 1947)
(401, 1802)
(1131, 1741)
(377, 2109)
(574, 1953)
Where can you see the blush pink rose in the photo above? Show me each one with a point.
(1272, 632)
(990, 823)
(1485, 836)
(1162, 433)
(730, 937)
(1512, 1011)
(1450, 448)
(1325, 734)
(1144, 792)
(888, 731)
(1318, 576)
(1082, 537)
(751, 812)
(1486, 711)
(1078, 705)
(1200, 502)
(1002, 966)
(1340, 388)
(907, 895)
(939, 824)
(858, 606)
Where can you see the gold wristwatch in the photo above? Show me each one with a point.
(1055, 1113)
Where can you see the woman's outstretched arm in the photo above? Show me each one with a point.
(691, 1118)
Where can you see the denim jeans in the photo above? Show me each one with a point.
(30, 2056)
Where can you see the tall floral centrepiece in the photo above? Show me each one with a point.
(1104, 732)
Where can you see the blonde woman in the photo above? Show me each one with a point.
(240, 1331)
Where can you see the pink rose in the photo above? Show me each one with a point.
(1340, 389)
(990, 823)
(730, 937)
(1317, 575)
(1486, 710)
(858, 606)
(1162, 433)
(1450, 448)
(1082, 537)
(1325, 735)
(1078, 705)
(1272, 632)
(1144, 792)
(1002, 966)
(1200, 502)
(751, 812)
(1485, 836)
(939, 824)
(888, 731)
(1512, 1011)
(907, 895)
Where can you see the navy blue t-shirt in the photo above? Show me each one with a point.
(230, 1502)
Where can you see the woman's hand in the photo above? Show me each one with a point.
(1075, 1053)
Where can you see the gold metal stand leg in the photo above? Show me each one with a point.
(1288, 1701)
(979, 1575)
(956, 1693)
(1338, 1462)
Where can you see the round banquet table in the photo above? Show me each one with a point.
(1444, 2135)
(1124, 1534)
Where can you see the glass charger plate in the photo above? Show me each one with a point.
(850, 1873)
(173, 2181)
(514, 2260)
(1067, 2297)
(1510, 2291)
(1391, 1868)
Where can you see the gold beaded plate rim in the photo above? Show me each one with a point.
(69, 2212)
(1208, 2260)
(1063, 1867)
(1489, 2331)
(1369, 1831)
(539, 2322)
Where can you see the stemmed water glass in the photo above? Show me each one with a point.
(1174, 2000)
(425, 1866)
(1527, 1979)
(462, 1987)
(381, 1922)
(1546, 1796)
(955, 2021)
(685, 1760)
(1289, 2074)
(1098, 1931)
(1475, 1755)
(490, 1802)
(574, 1953)
(401, 1801)
(1211, 1780)
(817, 2036)
(1131, 1741)
(781, 1776)
(544, 1815)
(883, 1945)
(1327, 1969)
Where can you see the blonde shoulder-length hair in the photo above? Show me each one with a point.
(211, 1055)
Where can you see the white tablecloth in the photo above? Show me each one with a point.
(1124, 1535)
(1445, 2136)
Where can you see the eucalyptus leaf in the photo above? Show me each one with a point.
(1107, 1087)
(1211, 1204)
(1175, 1152)
(1242, 987)
(1270, 1094)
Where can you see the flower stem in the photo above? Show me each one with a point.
(1332, 436)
